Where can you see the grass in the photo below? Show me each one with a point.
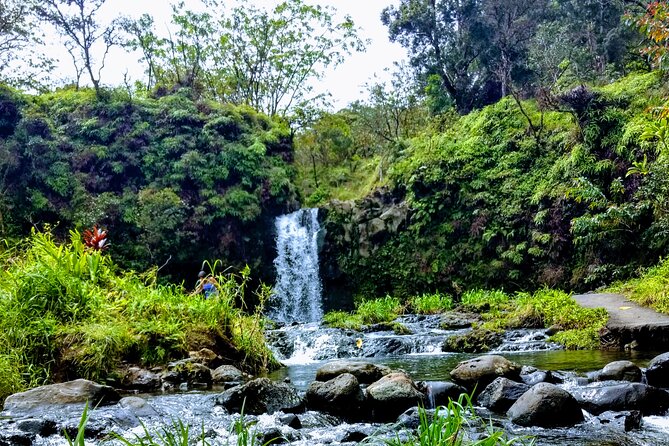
(545, 308)
(453, 425)
(383, 310)
(431, 303)
(70, 310)
(651, 289)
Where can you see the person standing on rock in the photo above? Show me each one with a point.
(206, 285)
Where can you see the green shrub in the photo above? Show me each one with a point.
(385, 309)
(478, 300)
(651, 289)
(431, 303)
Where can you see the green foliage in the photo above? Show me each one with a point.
(169, 177)
(430, 303)
(80, 439)
(375, 311)
(480, 300)
(579, 327)
(67, 308)
(177, 433)
(456, 424)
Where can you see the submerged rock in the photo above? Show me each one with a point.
(624, 421)
(391, 395)
(631, 396)
(657, 373)
(619, 371)
(261, 396)
(365, 372)
(44, 398)
(481, 371)
(545, 405)
(438, 393)
(500, 394)
(339, 396)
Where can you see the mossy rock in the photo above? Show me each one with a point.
(475, 341)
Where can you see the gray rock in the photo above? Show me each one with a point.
(15, 439)
(537, 377)
(45, 397)
(227, 373)
(453, 320)
(619, 371)
(140, 379)
(622, 421)
(657, 373)
(438, 393)
(391, 395)
(500, 394)
(545, 405)
(261, 396)
(138, 407)
(630, 396)
(290, 420)
(339, 396)
(481, 371)
(43, 427)
(187, 371)
(365, 372)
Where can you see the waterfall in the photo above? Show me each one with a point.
(297, 292)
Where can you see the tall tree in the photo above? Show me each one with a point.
(76, 21)
(447, 38)
(267, 59)
(143, 38)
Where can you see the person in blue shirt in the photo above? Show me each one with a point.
(206, 285)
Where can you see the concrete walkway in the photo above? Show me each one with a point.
(629, 322)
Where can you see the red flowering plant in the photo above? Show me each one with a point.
(96, 238)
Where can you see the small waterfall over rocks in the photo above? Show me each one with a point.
(297, 292)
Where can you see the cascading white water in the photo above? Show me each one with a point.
(297, 292)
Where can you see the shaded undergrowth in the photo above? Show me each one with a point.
(67, 311)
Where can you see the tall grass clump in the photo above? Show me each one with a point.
(431, 303)
(375, 311)
(457, 425)
(651, 289)
(68, 310)
(484, 300)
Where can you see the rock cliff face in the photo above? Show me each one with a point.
(355, 230)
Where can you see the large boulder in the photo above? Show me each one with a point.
(261, 396)
(187, 371)
(619, 371)
(481, 371)
(629, 396)
(657, 373)
(46, 398)
(227, 374)
(475, 341)
(339, 396)
(500, 394)
(391, 395)
(206, 357)
(546, 405)
(364, 372)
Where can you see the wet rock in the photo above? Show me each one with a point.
(187, 371)
(632, 396)
(453, 320)
(340, 396)
(657, 373)
(206, 357)
(281, 342)
(483, 370)
(42, 427)
(623, 421)
(476, 341)
(500, 394)
(619, 371)
(271, 436)
(290, 420)
(95, 428)
(261, 396)
(392, 395)
(364, 372)
(226, 374)
(410, 418)
(45, 397)
(354, 436)
(545, 405)
(140, 379)
(15, 439)
(537, 377)
(438, 393)
(138, 407)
